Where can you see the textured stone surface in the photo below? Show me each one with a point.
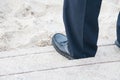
(46, 61)
(94, 72)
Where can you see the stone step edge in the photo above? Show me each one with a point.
(33, 50)
(26, 51)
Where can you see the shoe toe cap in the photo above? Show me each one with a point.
(59, 38)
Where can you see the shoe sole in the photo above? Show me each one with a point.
(61, 52)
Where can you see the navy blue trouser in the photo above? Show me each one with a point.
(81, 24)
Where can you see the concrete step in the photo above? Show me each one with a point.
(45, 63)
(75, 70)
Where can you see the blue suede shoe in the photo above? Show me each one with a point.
(60, 43)
(117, 43)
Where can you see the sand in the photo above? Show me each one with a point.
(28, 23)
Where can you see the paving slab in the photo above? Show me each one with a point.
(30, 63)
(108, 71)
(85, 69)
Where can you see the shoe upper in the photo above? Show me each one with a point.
(61, 42)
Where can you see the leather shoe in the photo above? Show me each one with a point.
(60, 43)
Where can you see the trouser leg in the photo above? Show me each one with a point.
(81, 24)
(118, 28)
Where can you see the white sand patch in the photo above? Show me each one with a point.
(29, 22)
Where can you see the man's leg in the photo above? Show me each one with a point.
(118, 28)
(118, 31)
(81, 23)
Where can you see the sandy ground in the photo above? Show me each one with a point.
(27, 23)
